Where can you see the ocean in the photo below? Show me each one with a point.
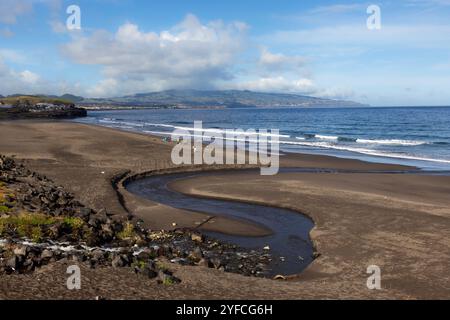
(418, 136)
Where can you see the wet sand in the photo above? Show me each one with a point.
(398, 222)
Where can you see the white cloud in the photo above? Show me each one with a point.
(28, 77)
(280, 62)
(275, 72)
(338, 8)
(11, 55)
(304, 86)
(428, 3)
(190, 54)
(335, 93)
(278, 84)
(25, 81)
(57, 26)
(10, 10)
(12, 80)
(104, 88)
(413, 36)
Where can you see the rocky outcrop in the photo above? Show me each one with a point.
(41, 223)
(42, 111)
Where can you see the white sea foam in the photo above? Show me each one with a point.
(365, 151)
(206, 138)
(107, 121)
(128, 124)
(323, 137)
(218, 131)
(397, 142)
(329, 141)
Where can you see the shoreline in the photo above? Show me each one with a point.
(398, 221)
(329, 160)
(366, 154)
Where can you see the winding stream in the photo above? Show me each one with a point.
(290, 244)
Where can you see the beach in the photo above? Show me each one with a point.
(399, 222)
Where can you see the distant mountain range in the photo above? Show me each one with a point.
(210, 99)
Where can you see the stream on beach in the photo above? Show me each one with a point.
(289, 243)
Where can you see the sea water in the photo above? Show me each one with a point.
(418, 136)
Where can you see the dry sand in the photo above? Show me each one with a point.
(398, 222)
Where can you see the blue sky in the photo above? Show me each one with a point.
(320, 48)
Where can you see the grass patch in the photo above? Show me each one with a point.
(36, 234)
(75, 224)
(32, 100)
(37, 226)
(4, 209)
(169, 281)
(26, 225)
(6, 196)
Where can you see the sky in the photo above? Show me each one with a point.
(318, 48)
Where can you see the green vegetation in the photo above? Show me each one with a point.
(36, 234)
(36, 226)
(4, 209)
(168, 281)
(26, 225)
(75, 224)
(139, 264)
(32, 100)
(4, 194)
(127, 232)
(161, 266)
(218, 99)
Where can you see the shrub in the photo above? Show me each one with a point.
(36, 234)
(75, 224)
(127, 232)
(169, 281)
(139, 264)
